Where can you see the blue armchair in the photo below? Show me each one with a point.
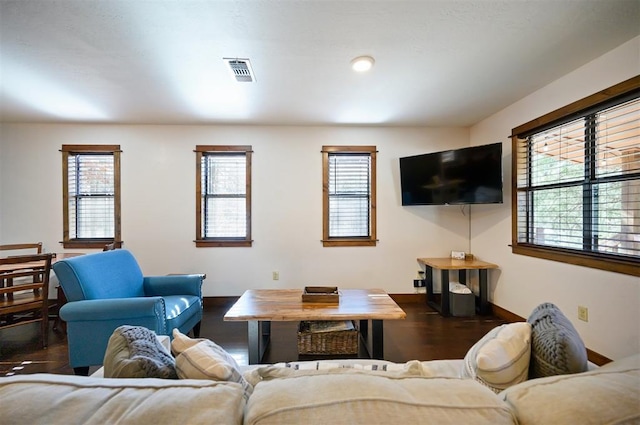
(107, 289)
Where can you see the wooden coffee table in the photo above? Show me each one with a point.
(259, 307)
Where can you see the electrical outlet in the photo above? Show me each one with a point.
(276, 275)
(583, 313)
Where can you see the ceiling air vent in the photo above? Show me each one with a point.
(241, 69)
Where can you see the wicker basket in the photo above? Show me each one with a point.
(322, 338)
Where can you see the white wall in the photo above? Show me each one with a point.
(523, 282)
(158, 202)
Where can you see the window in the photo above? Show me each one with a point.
(91, 195)
(349, 195)
(577, 182)
(223, 196)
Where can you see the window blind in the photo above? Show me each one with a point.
(349, 194)
(91, 196)
(578, 183)
(224, 213)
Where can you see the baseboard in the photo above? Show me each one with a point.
(409, 298)
(595, 358)
(219, 301)
(505, 314)
(402, 298)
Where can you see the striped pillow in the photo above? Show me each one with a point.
(204, 359)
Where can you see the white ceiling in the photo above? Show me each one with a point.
(438, 63)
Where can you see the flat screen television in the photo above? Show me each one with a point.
(460, 176)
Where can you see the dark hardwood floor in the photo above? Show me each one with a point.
(424, 335)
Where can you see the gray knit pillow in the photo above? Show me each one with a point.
(135, 352)
(556, 346)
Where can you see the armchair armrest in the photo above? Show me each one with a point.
(114, 309)
(182, 284)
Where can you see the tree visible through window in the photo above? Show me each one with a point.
(91, 195)
(223, 192)
(349, 195)
(577, 186)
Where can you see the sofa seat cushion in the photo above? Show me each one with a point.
(69, 399)
(350, 396)
(607, 395)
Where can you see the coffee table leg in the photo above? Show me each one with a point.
(259, 338)
(375, 350)
(377, 340)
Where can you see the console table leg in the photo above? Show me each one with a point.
(444, 298)
(462, 276)
(484, 301)
(429, 283)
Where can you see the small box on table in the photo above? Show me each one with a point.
(320, 294)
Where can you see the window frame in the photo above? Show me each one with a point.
(90, 243)
(370, 240)
(598, 101)
(201, 241)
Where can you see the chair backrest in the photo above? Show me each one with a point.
(107, 274)
(24, 288)
(37, 246)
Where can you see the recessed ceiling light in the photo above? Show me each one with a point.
(362, 63)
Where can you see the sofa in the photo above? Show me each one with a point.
(608, 395)
(496, 383)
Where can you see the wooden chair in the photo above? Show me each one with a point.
(25, 293)
(18, 249)
(21, 246)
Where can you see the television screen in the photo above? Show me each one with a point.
(460, 176)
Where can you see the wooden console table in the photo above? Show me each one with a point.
(446, 264)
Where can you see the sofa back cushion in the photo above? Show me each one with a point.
(348, 396)
(607, 395)
(109, 274)
(68, 399)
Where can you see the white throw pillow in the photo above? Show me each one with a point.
(204, 359)
(181, 342)
(501, 358)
